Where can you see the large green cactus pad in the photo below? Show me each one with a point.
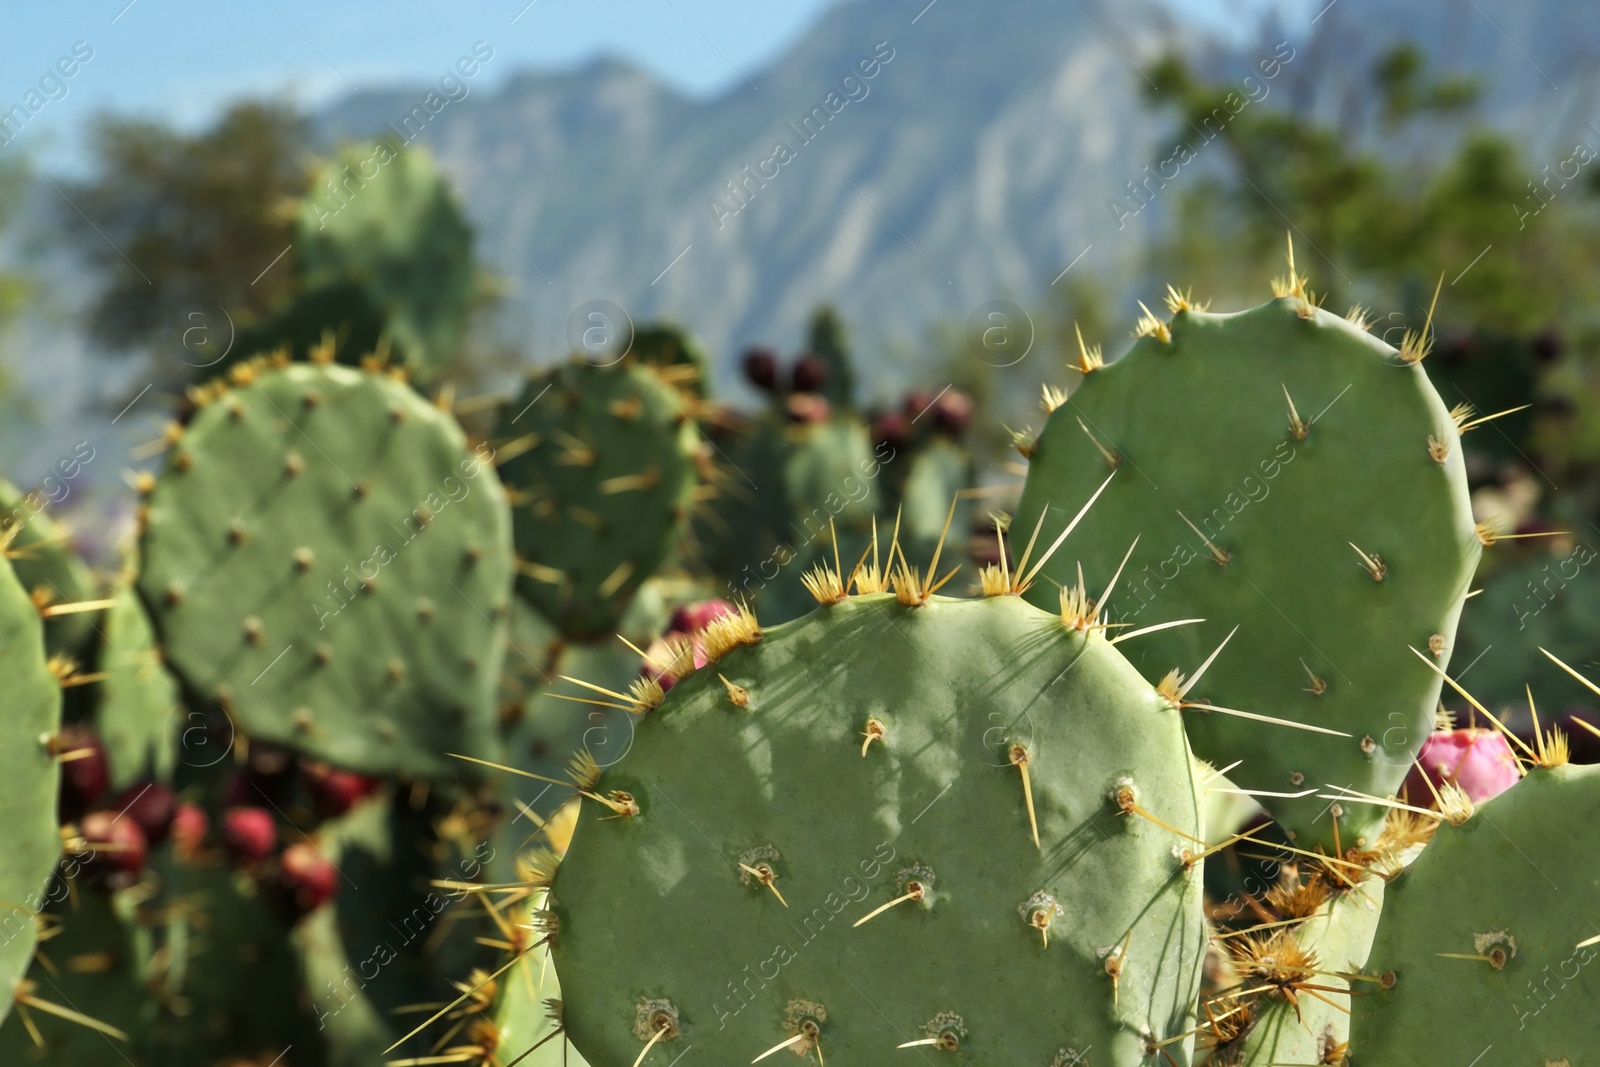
(29, 779)
(604, 484)
(327, 558)
(1518, 883)
(657, 921)
(1200, 430)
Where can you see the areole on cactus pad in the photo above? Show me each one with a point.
(1286, 473)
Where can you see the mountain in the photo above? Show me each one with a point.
(975, 164)
(980, 160)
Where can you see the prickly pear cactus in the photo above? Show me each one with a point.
(1286, 473)
(828, 473)
(528, 1008)
(95, 972)
(1299, 1010)
(385, 217)
(935, 474)
(41, 554)
(29, 779)
(848, 799)
(230, 987)
(675, 351)
(137, 713)
(343, 311)
(326, 557)
(1488, 939)
(827, 341)
(601, 463)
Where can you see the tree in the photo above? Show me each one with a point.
(177, 225)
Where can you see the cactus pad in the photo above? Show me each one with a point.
(674, 350)
(1313, 1026)
(96, 967)
(845, 760)
(48, 568)
(386, 218)
(326, 557)
(137, 713)
(604, 475)
(29, 779)
(1515, 885)
(1336, 534)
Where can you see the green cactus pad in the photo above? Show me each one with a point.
(343, 310)
(935, 474)
(1338, 937)
(665, 345)
(826, 337)
(828, 473)
(1200, 429)
(231, 985)
(1518, 882)
(389, 935)
(656, 921)
(138, 709)
(41, 554)
(604, 477)
(326, 557)
(523, 1010)
(386, 218)
(96, 968)
(29, 779)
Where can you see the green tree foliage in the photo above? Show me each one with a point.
(175, 224)
(1378, 217)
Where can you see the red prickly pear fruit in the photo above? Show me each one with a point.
(151, 805)
(1547, 345)
(334, 792)
(307, 878)
(892, 429)
(761, 368)
(114, 845)
(189, 826)
(807, 409)
(694, 617)
(952, 413)
(810, 374)
(915, 404)
(249, 834)
(85, 773)
(1479, 761)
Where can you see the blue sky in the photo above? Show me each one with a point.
(182, 58)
